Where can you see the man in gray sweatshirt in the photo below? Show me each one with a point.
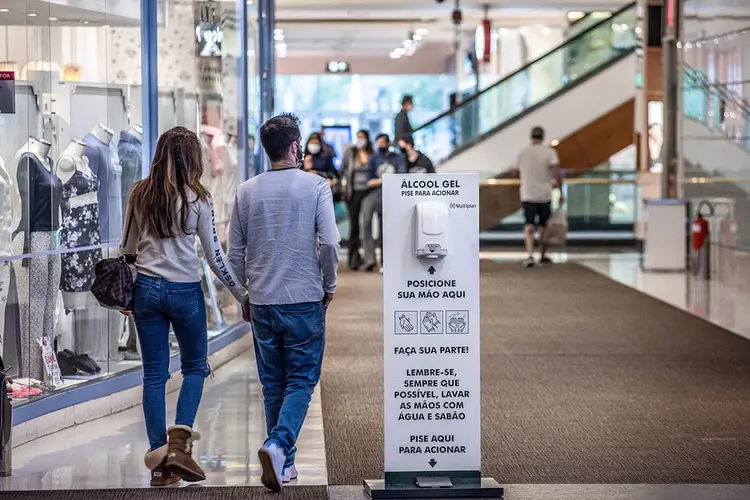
(284, 242)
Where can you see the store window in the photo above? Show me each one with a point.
(69, 146)
(199, 88)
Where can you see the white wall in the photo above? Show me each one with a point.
(560, 117)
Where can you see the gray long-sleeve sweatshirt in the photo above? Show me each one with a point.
(283, 237)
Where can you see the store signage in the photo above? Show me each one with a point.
(7, 92)
(208, 34)
(483, 41)
(431, 323)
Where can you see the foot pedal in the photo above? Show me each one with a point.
(434, 482)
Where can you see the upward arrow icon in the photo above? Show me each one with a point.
(431, 270)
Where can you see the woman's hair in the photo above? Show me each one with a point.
(314, 135)
(368, 145)
(163, 196)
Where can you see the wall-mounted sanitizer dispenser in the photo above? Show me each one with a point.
(432, 230)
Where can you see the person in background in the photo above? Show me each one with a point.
(165, 213)
(534, 163)
(327, 149)
(402, 126)
(284, 242)
(384, 161)
(356, 165)
(317, 161)
(416, 162)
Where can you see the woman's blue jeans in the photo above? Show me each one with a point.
(157, 305)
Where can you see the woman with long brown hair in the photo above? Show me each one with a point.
(165, 213)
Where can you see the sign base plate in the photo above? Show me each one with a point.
(461, 488)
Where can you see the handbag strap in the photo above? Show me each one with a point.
(129, 223)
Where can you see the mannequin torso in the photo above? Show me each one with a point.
(72, 160)
(103, 133)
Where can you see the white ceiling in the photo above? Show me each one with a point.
(70, 12)
(347, 28)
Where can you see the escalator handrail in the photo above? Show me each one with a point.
(527, 65)
(719, 89)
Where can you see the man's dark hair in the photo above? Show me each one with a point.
(383, 136)
(537, 133)
(408, 140)
(278, 133)
(407, 99)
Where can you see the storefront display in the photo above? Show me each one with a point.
(71, 151)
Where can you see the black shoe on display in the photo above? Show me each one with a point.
(83, 362)
(92, 363)
(371, 267)
(65, 361)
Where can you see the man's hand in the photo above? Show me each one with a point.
(374, 182)
(246, 311)
(327, 299)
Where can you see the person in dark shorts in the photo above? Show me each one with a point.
(534, 165)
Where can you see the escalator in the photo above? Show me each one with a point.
(581, 92)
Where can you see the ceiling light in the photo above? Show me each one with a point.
(395, 55)
(31, 14)
(280, 46)
(422, 31)
(85, 22)
(554, 142)
(416, 36)
(4, 10)
(53, 19)
(278, 31)
(278, 36)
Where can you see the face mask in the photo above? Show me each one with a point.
(300, 158)
(313, 149)
(383, 151)
(361, 143)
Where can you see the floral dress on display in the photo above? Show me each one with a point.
(80, 228)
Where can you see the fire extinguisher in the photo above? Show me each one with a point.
(700, 238)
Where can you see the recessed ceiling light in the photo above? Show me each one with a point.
(278, 31)
(53, 19)
(31, 14)
(4, 10)
(85, 22)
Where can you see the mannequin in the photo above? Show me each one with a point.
(80, 228)
(103, 162)
(105, 166)
(37, 277)
(6, 242)
(130, 151)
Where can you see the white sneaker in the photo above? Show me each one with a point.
(272, 462)
(529, 262)
(289, 474)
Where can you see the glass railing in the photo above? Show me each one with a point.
(572, 62)
(716, 106)
(589, 20)
(597, 201)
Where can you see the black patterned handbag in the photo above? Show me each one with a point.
(114, 280)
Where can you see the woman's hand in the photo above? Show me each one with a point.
(308, 165)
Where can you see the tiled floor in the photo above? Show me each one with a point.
(108, 453)
(724, 301)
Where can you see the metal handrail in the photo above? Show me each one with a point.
(526, 66)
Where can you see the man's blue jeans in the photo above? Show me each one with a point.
(289, 342)
(157, 305)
